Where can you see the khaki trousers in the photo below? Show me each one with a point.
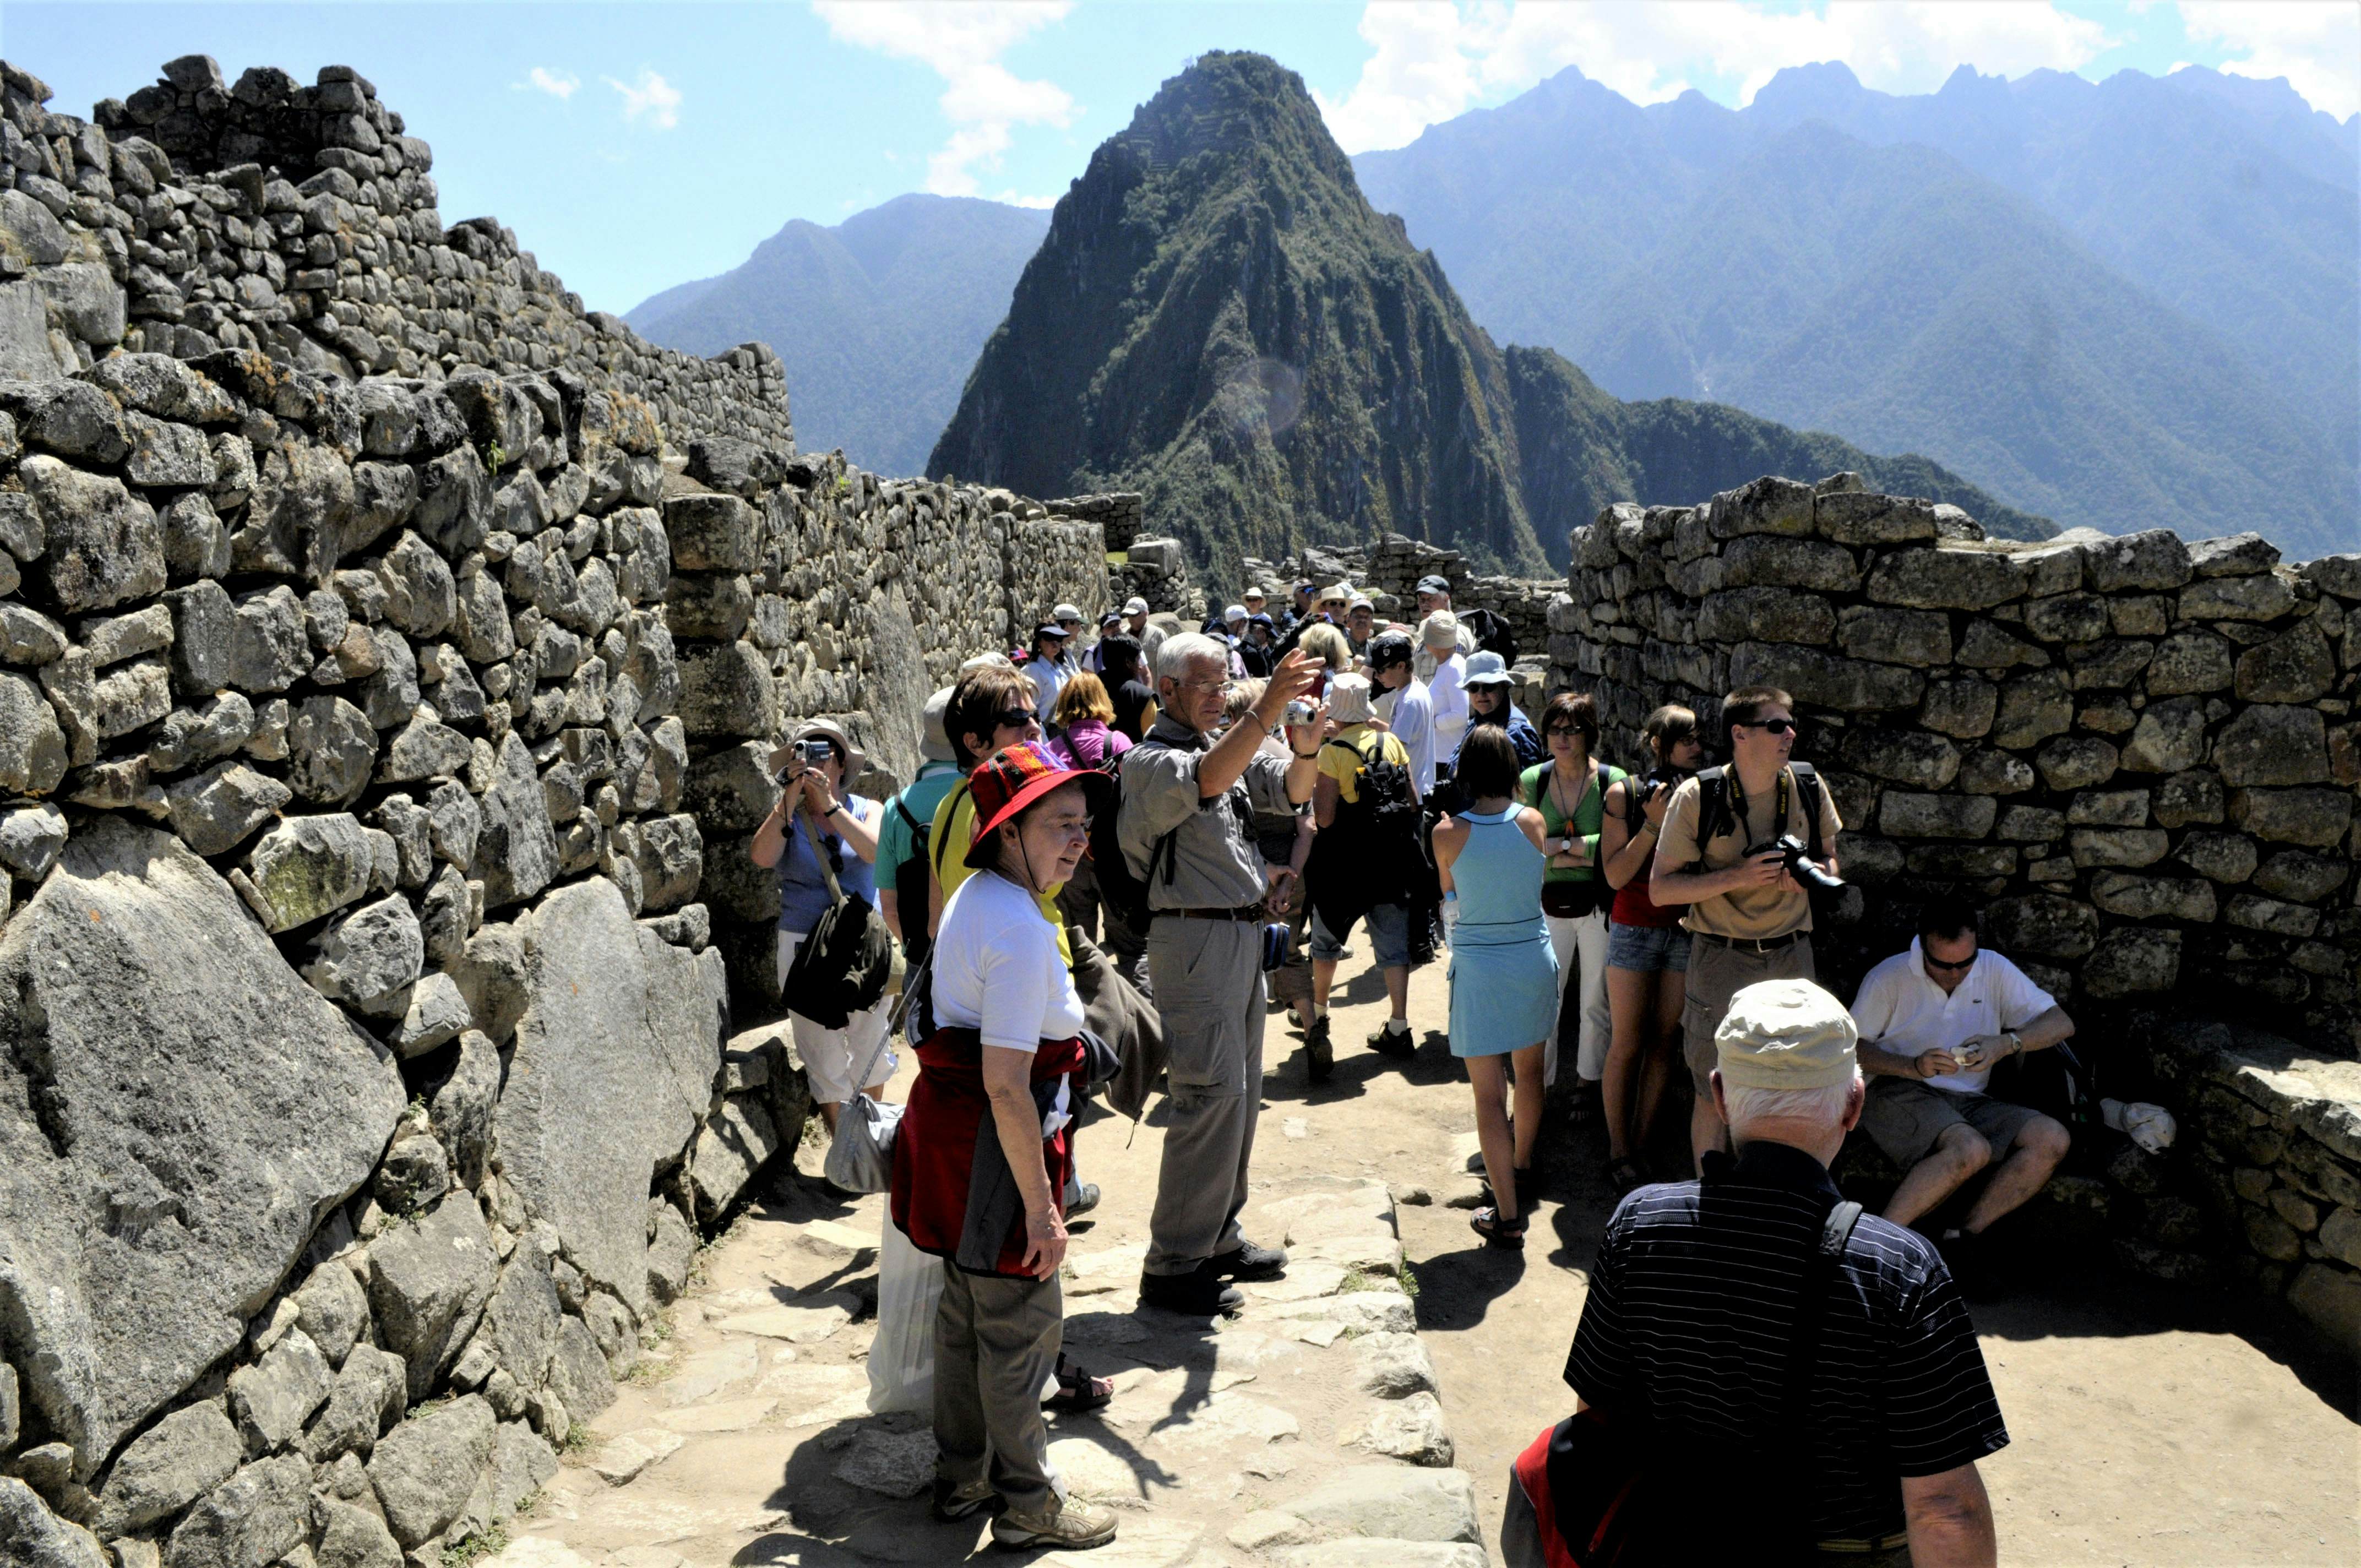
(1209, 988)
(1717, 974)
(996, 1345)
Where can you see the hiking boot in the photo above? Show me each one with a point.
(1247, 1261)
(1085, 1198)
(1319, 1055)
(1071, 1526)
(1389, 1041)
(1199, 1293)
(955, 1504)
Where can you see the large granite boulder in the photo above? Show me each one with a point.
(154, 1049)
(613, 1071)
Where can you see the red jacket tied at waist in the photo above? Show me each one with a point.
(935, 1146)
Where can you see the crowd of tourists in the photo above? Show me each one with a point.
(1121, 850)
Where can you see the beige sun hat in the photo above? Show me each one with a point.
(1786, 1034)
(1440, 630)
(1348, 699)
(817, 729)
(935, 739)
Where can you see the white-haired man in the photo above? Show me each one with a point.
(1188, 833)
(1702, 1290)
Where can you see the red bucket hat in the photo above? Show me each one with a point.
(1014, 777)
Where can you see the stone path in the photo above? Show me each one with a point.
(1306, 1433)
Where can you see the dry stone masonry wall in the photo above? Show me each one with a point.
(2139, 754)
(376, 755)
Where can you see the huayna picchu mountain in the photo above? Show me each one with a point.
(1218, 320)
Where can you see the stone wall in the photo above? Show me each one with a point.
(300, 223)
(376, 757)
(2140, 753)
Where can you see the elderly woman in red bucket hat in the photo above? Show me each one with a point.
(982, 1153)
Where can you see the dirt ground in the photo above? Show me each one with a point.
(2150, 1425)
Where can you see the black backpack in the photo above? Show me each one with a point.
(913, 887)
(1490, 629)
(1715, 816)
(1119, 890)
(1385, 809)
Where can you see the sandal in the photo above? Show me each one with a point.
(1496, 1232)
(1625, 1175)
(1078, 1390)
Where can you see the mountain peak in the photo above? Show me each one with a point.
(1800, 90)
(1224, 101)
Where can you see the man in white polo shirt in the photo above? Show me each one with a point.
(1933, 1022)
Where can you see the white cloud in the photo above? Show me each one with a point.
(558, 84)
(2316, 46)
(961, 41)
(1042, 204)
(1436, 59)
(653, 98)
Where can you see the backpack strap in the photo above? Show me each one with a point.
(1808, 800)
(1713, 810)
(917, 827)
(937, 850)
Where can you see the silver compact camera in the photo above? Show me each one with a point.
(1300, 711)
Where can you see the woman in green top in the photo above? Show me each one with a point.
(1570, 792)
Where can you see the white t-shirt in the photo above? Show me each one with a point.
(1448, 699)
(998, 972)
(1410, 714)
(1903, 1010)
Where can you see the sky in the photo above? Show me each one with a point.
(634, 146)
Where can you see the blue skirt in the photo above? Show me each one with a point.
(1503, 994)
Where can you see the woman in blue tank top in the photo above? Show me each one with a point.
(1503, 970)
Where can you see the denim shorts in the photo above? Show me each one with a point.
(1646, 949)
(1389, 933)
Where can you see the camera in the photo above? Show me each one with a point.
(1300, 711)
(1799, 863)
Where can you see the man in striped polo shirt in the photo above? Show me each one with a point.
(1693, 1307)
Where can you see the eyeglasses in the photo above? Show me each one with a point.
(1566, 732)
(1934, 962)
(1201, 685)
(1773, 726)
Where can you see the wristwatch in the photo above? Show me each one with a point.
(833, 807)
(2015, 1042)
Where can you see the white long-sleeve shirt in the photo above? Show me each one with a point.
(1410, 714)
(1448, 699)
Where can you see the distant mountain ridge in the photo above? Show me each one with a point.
(2030, 282)
(1219, 319)
(877, 319)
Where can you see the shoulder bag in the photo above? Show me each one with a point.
(842, 964)
(861, 1155)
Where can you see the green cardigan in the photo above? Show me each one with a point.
(1534, 792)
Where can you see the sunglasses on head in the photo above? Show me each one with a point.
(1773, 726)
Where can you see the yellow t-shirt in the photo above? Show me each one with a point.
(1750, 913)
(1340, 759)
(950, 836)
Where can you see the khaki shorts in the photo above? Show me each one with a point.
(1904, 1118)
(1717, 974)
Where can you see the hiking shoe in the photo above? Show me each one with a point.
(1319, 1055)
(1199, 1293)
(1391, 1042)
(955, 1504)
(1071, 1526)
(1085, 1198)
(1247, 1261)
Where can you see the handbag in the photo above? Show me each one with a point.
(841, 965)
(1600, 1490)
(860, 1153)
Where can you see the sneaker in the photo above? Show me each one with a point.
(955, 1504)
(1071, 1526)
(1247, 1261)
(1085, 1198)
(1199, 1293)
(1389, 1041)
(1319, 1055)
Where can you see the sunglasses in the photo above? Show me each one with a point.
(1934, 962)
(1557, 729)
(1774, 726)
(1013, 719)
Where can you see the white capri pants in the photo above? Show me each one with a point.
(1584, 935)
(832, 1056)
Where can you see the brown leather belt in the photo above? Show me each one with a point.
(1754, 944)
(1251, 914)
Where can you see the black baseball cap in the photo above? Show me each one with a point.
(1433, 583)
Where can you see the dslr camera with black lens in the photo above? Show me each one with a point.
(1797, 858)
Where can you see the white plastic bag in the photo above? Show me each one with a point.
(2150, 1126)
(902, 1356)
